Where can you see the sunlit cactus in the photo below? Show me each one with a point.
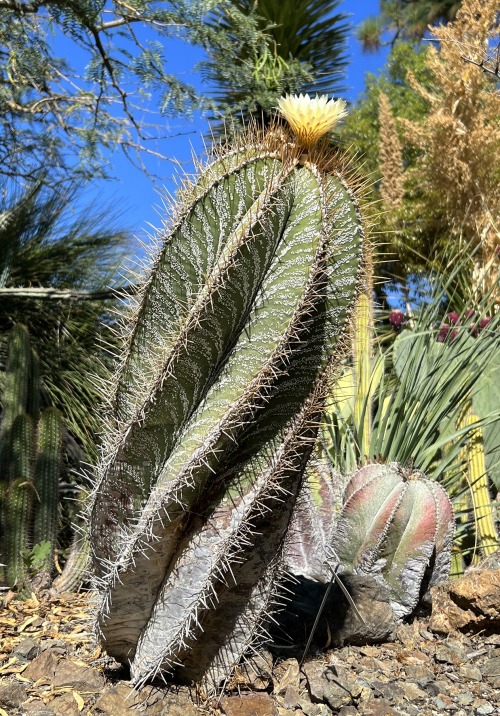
(216, 405)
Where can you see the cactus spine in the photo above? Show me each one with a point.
(398, 527)
(30, 463)
(217, 403)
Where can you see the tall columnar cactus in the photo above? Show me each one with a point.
(30, 464)
(477, 479)
(398, 527)
(216, 405)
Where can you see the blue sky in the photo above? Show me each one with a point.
(137, 198)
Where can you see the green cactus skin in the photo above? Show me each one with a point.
(20, 370)
(216, 408)
(47, 472)
(396, 526)
(19, 500)
(16, 390)
(30, 462)
(76, 568)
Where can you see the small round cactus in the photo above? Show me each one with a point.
(397, 526)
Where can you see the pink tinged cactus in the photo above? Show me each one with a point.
(396, 526)
(314, 520)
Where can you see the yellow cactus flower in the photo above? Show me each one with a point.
(311, 118)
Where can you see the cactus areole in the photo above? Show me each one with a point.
(216, 404)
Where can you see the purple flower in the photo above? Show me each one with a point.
(443, 332)
(396, 318)
(454, 318)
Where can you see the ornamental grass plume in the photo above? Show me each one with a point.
(311, 118)
(457, 169)
(390, 157)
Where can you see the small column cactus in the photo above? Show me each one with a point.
(30, 465)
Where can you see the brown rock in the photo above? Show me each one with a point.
(469, 603)
(37, 708)
(491, 671)
(123, 700)
(419, 673)
(310, 709)
(65, 705)
(43, 666)
(117, 700)
(249, 705)
(372, 600)
(379, 707)
(27, 649)
(450, 652)
(286, 675)
(64, 672)
(257, 670)
(167, 702)
(330, 684)
(12, 695)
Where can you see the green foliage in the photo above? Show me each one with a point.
(38, 556)
(44, 248)
(64, 118)
(361, 129)
(298, 46)
(446, 116)
(216, 406)
(404, 20)
(399, 252)
(421, 385)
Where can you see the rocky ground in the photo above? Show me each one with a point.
(445, 663)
